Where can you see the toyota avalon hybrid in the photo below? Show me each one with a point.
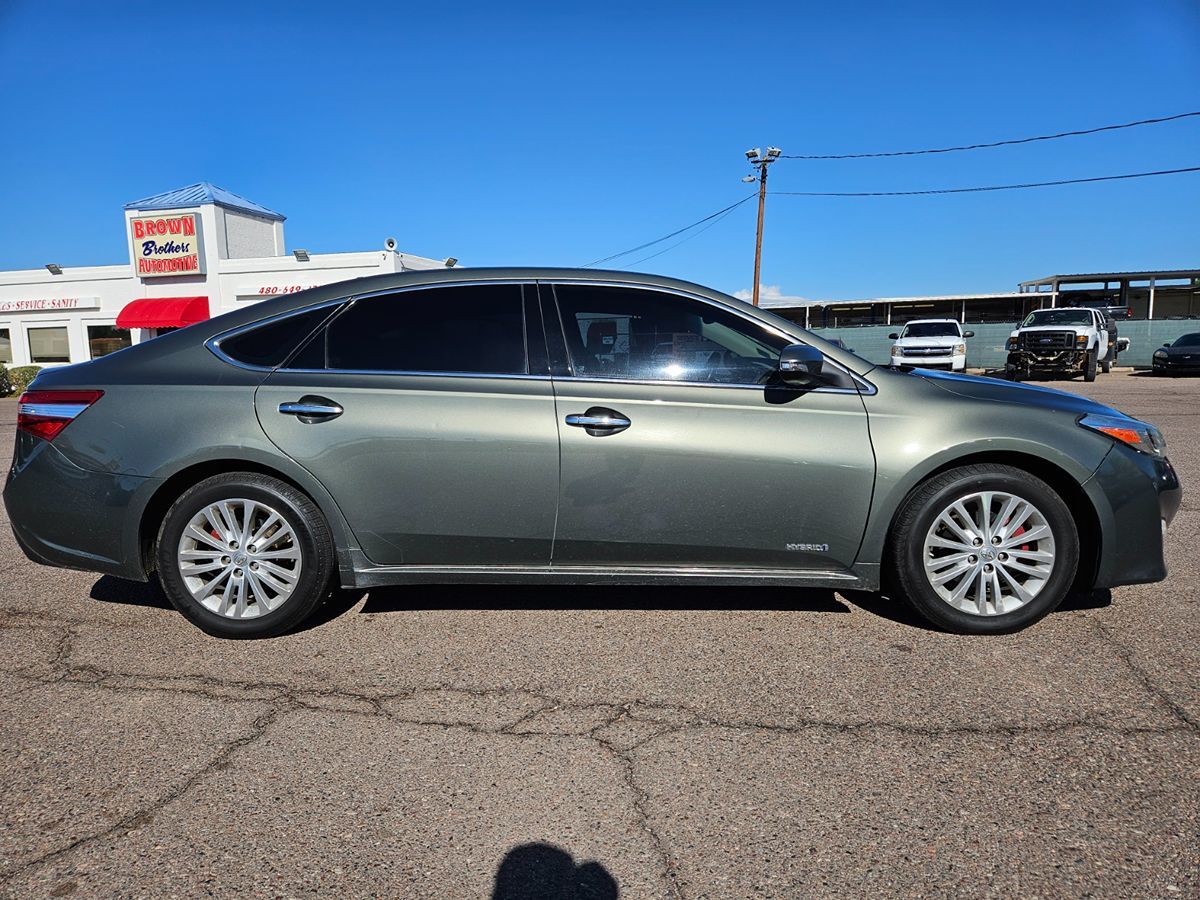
(575, 427)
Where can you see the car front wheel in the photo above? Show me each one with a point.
(984, 549)
(244, 555)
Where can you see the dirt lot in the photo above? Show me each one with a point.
(442, 743)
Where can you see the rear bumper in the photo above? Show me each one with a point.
(1136, 496)
(73, 518)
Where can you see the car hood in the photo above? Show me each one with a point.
(1193, 350)
(1014, 392)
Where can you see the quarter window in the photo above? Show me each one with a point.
(475, 328)
(49, 345)
(270, 344)
(627, 333)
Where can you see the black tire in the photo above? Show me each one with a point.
(1012, 373)
(1110, 357)
(311, 535)
(1089, 367)
(906, 543)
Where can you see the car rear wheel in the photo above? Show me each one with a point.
(244, 555)
(984, 549)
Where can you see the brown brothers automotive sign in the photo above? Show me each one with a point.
(166, 245)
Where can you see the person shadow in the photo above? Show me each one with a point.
(542, 871)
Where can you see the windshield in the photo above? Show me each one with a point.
(1058, 317)
(930, 329)
(1188, 340)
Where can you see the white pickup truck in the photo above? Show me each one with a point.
(1068, 340)
(931, 344)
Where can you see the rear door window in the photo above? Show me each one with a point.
(471, 329)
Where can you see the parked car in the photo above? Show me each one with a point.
(931, 344)
(1066, 341)
(1113, 311)
(1178, 357)
(573, 427)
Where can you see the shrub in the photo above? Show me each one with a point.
(5, 384)
(20, 376)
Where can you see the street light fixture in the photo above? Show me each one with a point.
(760, 162)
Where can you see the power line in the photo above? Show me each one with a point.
(667, 237)
(671, 247)
(994, 187)
(1026, 140)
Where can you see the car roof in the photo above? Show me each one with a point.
(926, 321)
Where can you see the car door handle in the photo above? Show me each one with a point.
(599, 421)
(312, 409)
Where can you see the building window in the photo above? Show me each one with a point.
(49, 345)
(5, 346)
(106, 339)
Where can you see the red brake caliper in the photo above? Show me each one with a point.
(1021, 530)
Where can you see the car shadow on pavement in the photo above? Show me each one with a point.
(409, 598)
(899, 611)
(546, 596)
(545, 872)
(131, 593)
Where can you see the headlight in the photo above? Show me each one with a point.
(960, 348)
(1081, 339)
(1138, 435)
(897, 350)
(1160, 354)
(1012, 344)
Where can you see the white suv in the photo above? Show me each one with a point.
(931, 343)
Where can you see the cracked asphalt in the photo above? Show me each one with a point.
(661, 742)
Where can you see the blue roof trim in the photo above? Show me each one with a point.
(203, 192)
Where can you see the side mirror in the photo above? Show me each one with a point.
(893, 336)
(967, 334)
(1166, 343)
(800, 365)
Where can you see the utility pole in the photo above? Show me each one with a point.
(760, 162)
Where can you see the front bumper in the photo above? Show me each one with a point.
(1135, 496)
(74, 518)
(1176, 367)
(955, 363)
(1047, 361)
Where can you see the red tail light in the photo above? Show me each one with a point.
(45, 413)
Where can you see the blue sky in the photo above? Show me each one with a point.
(559, 133)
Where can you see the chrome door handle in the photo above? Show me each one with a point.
(598, 421)
(312, 409)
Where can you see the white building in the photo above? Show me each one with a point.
(194, 253)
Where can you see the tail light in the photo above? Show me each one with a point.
(45, 413)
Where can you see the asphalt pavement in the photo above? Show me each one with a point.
(449, 742)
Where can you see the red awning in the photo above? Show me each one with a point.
(163, 312)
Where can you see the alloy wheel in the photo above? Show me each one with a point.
(989, 553)
(239, 558)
